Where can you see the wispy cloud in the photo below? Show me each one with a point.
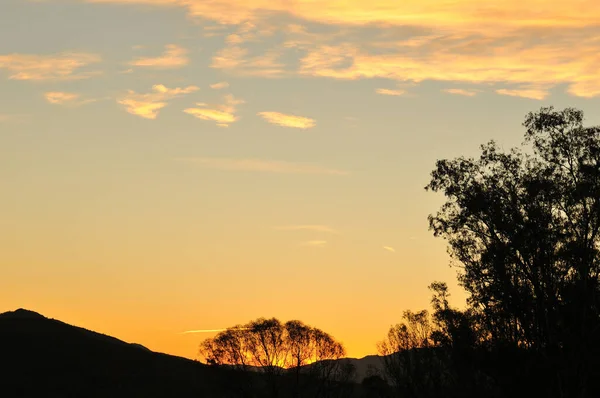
(390, 249)
(502, 42)
(61, 66)
(237, 60)
(222, 114)
(148, 105)
(530, 93)
(65, 98)
(386, 91)
(173, 57)
(460, 91)
(261, 165)
(208, 330)
(314, 243)
(203, 331)
(219, 86)
(317, 228)
(471, 14)
(282, 119)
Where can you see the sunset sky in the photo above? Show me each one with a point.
(176, 165)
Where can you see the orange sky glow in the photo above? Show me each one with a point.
(171, 168)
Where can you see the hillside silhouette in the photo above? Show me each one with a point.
(49, 358)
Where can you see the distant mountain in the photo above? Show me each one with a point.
(42, 357)
(366, 366)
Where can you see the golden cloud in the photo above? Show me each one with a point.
(59, 97)
(466, 14)
(460, 91)
(173, 57)
(219, 86)
(64, 98)
(62, 66)
(461, 59)
(148, 105)
(385, 91)
(531, 93)
(281, 119)
(270, 166)
(222, 114)
(511, 42)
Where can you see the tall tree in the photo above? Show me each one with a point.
(524, 227)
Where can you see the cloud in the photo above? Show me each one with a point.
(235, 59)
(64, 98)
(530, 93)
(209, 330)
(174, 57)
(223, 114)
(460, 91)
(314, 243)
(385, 91)
(260, 165)
(507, 43)
(390, 249)
(470, 14)
(282, 119)
(61, 66)
(474, 59)
(317, 228)
(219, 86)
(148, 105)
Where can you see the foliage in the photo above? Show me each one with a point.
(305, 355)
(524, 228)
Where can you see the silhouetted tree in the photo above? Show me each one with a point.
(293, 350)
(524, 227)
(409, 361)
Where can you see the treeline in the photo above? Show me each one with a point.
(523, 227)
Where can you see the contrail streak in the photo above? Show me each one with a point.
(208, 330)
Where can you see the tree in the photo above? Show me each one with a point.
(409, 362)
(524, 229)
(293, 350)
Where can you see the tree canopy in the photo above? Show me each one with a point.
(523, 225)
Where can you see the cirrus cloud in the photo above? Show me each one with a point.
(219, 86)
(506, 43)
(285, 120)
(174, 57)
(465, 14)
(66, 98)
(460, 91)
(61, 66)
(386, 91)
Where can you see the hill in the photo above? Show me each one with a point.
(49, 358)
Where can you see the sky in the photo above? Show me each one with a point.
(177, 165)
